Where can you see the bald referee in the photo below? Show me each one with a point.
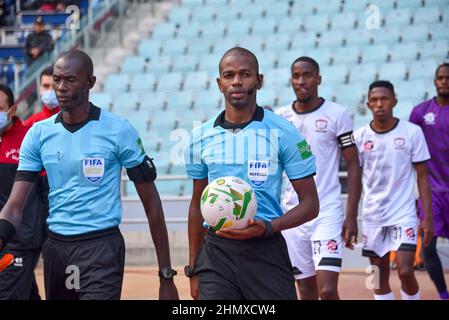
(83, 149)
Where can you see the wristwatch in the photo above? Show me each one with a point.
(167, 273)
(189, 272)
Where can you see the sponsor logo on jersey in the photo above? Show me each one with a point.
(368, 145)
(320, 125)
(258, 171)
(332, 246)
(304, 149)
(410, 234)
(93, 169)
(429, 118)
(13, 154)
(18, 262)
(399, 143)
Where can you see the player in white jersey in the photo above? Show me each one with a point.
(315, 248)
(390, 151)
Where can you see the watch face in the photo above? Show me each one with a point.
(167, 273)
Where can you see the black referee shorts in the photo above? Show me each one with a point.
(17, 281)
(254, 269)
(84, 267)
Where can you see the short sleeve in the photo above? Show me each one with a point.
(344, 124)
(29, 156)
(358, 143)
(415, 117)
(420, 152)
(130, 148)
(296, 155)
(195, 166)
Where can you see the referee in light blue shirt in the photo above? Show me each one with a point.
(256, 145)
(83, 149)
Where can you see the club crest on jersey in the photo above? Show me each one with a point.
(429, 118)
(399, 143)
(258, 172)
(93, 169)
(368, 145)
(320, 125)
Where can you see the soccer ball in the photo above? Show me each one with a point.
(228, 202)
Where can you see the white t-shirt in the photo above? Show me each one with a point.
(388, 173)
(321, 128)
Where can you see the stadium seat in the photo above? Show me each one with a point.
(101, 99)
(179, 14)
(169, 81)
(209, 62)
(303, 8)
(362, 120)
(174, 47)
(164, 31)
(290, 25)
(286, 96)
(196, 81)
(277, 10)
(277, 77)
(264, 26)
(413, 4)
(143, 82)
(403, 109)
(404, 51)
(331, 38)
(327, 91)
(414, 90)
(208, 99)
(354, 6)
(415, 33)
(199, 46)
(439, 31)
(134, 64)
(347, 55)
(375, 53)
(149, 48)
(401, 17)
(139, 120)
(255, 12)
(422, 69)
(204, 13)
(364, 73)
(427, 15)
(304, 40)
(334, 74)
(395, 71)
(316, 23)
(266, 97)
(160, 64)
(181, 100)
(351, 96)
(187, 63)
(329, 6)
(343, 20)
(189, 30)
(254, 43)
(287, 57)
(387, 35)
(116, 83)
(435, 49)
(224, 44)
(151, 101)
(359, 36)
(213, 29)
(238, 28)
(277, 42)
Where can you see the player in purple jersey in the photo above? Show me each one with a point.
(433, 117)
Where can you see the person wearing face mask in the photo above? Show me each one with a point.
(50, 104)
(17, 281)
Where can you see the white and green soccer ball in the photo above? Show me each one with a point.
(228, 202)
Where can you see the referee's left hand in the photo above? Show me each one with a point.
(167, 290)
(253, 230)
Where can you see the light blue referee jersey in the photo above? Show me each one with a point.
(258, 153)
(83, 167)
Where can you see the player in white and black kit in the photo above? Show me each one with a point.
(315, 248)
(390, 151)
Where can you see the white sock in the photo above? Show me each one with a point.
(387, 296)
(405, 296)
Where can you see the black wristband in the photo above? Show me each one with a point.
(7, 231)
(268, 229)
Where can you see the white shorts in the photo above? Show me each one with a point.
(378, 241)
(309, 255)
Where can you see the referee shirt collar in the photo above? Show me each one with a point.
(94, 115)
(221, 122)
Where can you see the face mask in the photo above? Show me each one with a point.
(49, 99)
(4, 121)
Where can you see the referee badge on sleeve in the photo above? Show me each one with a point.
(93, 169)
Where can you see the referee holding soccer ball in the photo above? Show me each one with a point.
(83, 149)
